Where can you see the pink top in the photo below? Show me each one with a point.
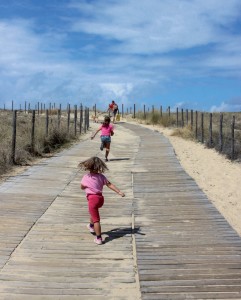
(106, 130)
(94, 183)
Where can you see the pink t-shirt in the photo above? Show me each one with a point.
(106, 130)
(94, 183)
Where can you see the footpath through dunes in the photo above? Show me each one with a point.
(185, 248)
(165, 228)
(46, 251)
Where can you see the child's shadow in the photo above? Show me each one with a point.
(120, 232)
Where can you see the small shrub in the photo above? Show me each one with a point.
(184, 132)
(54, 140)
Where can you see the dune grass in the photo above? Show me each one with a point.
(57, 137)
(211, 139)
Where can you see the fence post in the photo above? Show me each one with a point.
(196, 121)
(169, 112)
(68, 118)
(14, 136)
(232, 137)
(134, 116)
(88, 118)
(191, 119)
(32, 131)
(210, 130)
(182, 119)
(122, 110)
(144, 111)
(161, 111)
(81, 119)
(221, 132)
(47, 123)
(202, 128)
(187, 117)
(85, 121)
(75, 120)
(177, 116)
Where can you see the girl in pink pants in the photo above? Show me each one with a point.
(93, 183)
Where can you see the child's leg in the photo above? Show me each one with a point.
(97, 228)
(94, 203)
(107, 150)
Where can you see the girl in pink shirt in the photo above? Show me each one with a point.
(93, 183)
(107, 130)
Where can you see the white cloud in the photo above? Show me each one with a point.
(158, 26)
(226, 107)
(120, 49)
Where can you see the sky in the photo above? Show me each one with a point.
(178, 53)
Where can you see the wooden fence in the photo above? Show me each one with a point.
(216, 130)
(73, 121)
(221, 131)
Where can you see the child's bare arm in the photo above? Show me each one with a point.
(95, 133)
(115, 189)
(82, 187)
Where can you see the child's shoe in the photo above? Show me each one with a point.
(91, 229)
(101, 146)
(98, 241)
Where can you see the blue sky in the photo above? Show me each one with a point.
(177, 53)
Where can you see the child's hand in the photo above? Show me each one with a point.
(92, 137)
(122, 194)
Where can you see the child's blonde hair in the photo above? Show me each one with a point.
(94, 165)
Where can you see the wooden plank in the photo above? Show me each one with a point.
(185, 248)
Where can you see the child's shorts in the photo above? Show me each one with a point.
(94, 203)
(105, 139)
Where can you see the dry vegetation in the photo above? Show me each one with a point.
(57, 137)
(185, 130)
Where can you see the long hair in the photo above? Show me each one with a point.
(94, 165)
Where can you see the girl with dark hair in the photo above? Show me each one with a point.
(93, 183)
(107, 130)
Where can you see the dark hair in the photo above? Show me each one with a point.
(107, 119)
(94, 165)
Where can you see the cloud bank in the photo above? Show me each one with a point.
(127, 50)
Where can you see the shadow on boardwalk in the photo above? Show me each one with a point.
(120, 232)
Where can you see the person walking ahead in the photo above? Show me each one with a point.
(93, 183)
(113, 108)
(107, 130)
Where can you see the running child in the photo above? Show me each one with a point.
(93, 183)
(107, 130)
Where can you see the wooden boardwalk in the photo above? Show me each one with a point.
(165, 228)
